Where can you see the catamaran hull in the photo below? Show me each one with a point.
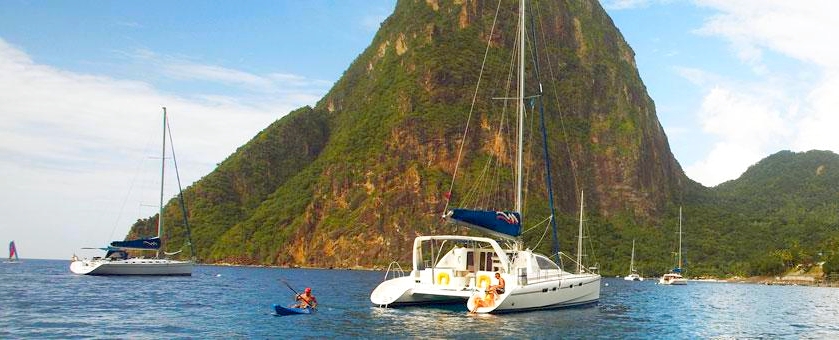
(150, 267)
(573, 292)
(403, 291)
(570, 291)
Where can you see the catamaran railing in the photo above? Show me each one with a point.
(397, 270)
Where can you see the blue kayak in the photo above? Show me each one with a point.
(282, 310)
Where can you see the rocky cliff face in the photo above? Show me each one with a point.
(351, 181)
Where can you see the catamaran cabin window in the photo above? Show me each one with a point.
(545, 263)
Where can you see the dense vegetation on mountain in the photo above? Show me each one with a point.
(780, 213)
(351, 181)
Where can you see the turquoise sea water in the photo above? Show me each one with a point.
(42, 299)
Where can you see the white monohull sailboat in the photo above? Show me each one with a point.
(116, 260)
(633, 274)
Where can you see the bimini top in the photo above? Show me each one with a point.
(503, 224)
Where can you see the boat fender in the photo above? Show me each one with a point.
(443, 277)
(484, 281)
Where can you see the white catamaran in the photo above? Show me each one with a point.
(458, 268)
(116, 260)
(674, 277)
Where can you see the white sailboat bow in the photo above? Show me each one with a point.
(459, 269)
(116, 260)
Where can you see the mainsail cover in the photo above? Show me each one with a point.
(152, 243)
(505, 224)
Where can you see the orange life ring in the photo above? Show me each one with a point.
(484, 281)
(443, 277)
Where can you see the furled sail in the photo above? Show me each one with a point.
(143, 243)
(504, 224)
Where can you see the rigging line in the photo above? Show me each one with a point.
(130, 189)
(554, 79)
(545, 232)
(591, 244)
(472, 107)
(180, 193)
(535, 55)
(500, 148)
(536, 225)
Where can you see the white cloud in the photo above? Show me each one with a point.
(624, 4)
(185, 69)
(801, 30)
(615, 5)
(744, 125)
(817, 130)
(790, 104)
(70, 143)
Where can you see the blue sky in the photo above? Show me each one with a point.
(83, 83)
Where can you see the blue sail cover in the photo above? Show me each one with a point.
(143, 243)
(505, 224)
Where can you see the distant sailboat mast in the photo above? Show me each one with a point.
(520, 122)
(680, 238)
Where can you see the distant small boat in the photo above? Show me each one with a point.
(674, 277)
(13, 257)
(633, 274)
(283, 310)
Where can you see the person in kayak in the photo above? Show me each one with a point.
(306, 299)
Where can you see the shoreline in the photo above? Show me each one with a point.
(796, 280)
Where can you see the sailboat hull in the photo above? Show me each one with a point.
(672, 279)
(633, 277)
(134, 266)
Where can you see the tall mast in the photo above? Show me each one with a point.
(580, 238)
(632, 259)
(162, 172)
(680, 238)
(520, 109)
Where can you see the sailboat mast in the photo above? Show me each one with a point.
(632, 259)
(580, 237)
(162, 172)
(680, 237)
(520, 122)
